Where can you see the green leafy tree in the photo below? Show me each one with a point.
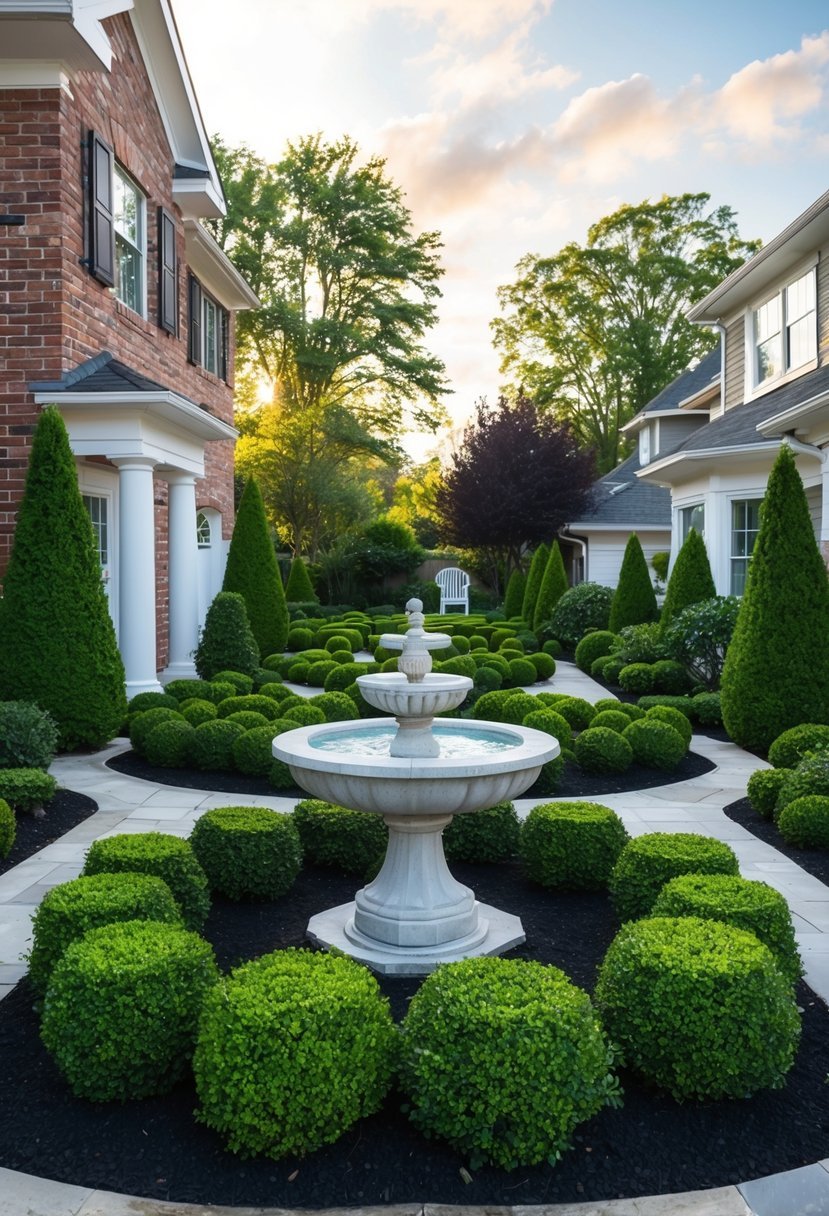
(57, 641)
(299, 588)
(253, 572)
(595, 331)
(538, 565)
(776, 672)
(514, 598)
(553, 585)
(634, 601)
(227, 642)
(691, 579)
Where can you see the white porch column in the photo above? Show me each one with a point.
(137, 582)
(183, 577)
(824, 505)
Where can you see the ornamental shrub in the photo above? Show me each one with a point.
(810, 777)
(292, 1050)
(794, 744)
(336, 706)
(247, 852)
(26, 789)
(776, 674)
(151, 700)
(338, 838)
(699, 638)
(553, 723)
(578, 712)
(299, 589)
(698, 1008)
(305, 713)
(490, 706)
(143, 723)
(599, 666)
(804, 822)
(185, 690)
(211, 746)
(298, 672)
(691, 579)
(637, 678)
(252, 703)
(226, 641)
(503, 1059)
(168, 744)
(248, 719)
(552, 647)
(167, 857)
(647, 862)
(253, 750)
(595, 645)
(582, 608)
(522, 673)
(763, 790)
(57, 641)
(535, 574)
(343, 675)
(252, 572)
(685, 705)
(554, 583)
(486, 679)
(675, 718)
(549, 779)
(655, 744)
(634, 601)
(544, 664)
(641, 644)
(611, 719)
(278, 692)
(514, 598)
(241, 682)
(122, 1006)
(299, 638)
(517, 706)
(670, 676)
(488, 835)
(279, 776)
(195, 711)
(600, 750)
(28, 735)
(572, 844)
(8, 828)
(742, 902)
(70, 910)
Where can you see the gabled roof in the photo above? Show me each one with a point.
(102, 374)
(620, 500)
(688, 384)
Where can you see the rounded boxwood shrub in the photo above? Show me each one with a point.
(601, 750)
(8, 828)
(490, 706)
(292, 1049)
(247, 852)
(253, 751)
(158, 853)
(488, 835)
(343, 675)
(168, 744)
(572, 844)
(595, 645)
(299, 638)
(620, 707)
(26, 789)
(707, 708)
(185, 690)
(143, 701)
(674, 718)
(336, 706)
(550, 722)
(637, 678)
(811, 776)
(522, 672)
(279, 776)
(698, 1008)
(247, 719)
(804, 822)
(304, 713)
(517, 706)
(685, 705)
(544, 664)
(196, 711)
(581, 609)
(670, 676)
(278, 692)
(298, 672)
(226, 642)
(70, 910)
(655, 744)
(598, 666)
(338, 838)
(241, 681)
(764, 786)
(794, 744)
(141, 725)
(252, 702)
(317, 672)
(503, 1059)
(742, 902)
(486, 679)
(647, 862)
(220, 690)
(578, 712)
(611, 719)
(211, 747)
(122, 1006)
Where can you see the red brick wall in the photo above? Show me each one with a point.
(53, 314)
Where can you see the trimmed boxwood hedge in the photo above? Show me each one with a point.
(647, 862)
(794, 744)
(572, 844)
(764, 786)
(165, 856)
(247, 852)
(8, 828)
(488, 835)
(601, 750)
(339, 838)
(804, 822)
(655, 744)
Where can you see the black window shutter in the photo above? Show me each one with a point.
(194, 321)
(101, 228)
(167, 276)
(225, 326)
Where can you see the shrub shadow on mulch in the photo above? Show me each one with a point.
(62, 813)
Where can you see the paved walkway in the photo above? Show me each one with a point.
(126, 804)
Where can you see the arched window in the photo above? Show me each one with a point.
(203, 533)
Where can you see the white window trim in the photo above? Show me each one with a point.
(753, 390)
(120, 171)
(730, 556)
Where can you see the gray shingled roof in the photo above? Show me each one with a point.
(102, 374)
(621, 498)
(689, 382)
(738, 425)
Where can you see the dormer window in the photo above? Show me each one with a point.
(645, 446)
(784, 331)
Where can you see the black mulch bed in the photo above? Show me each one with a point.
(574, 782)
(651, 1145)
(62, 813)
(814, 861)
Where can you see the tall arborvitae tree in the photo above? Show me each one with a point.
(253, 572)
(299, 589)
(536, 573)
(57, 641)
(553, 585)
(691, 579)
(514, 599)
(634, 602)
(776, 672)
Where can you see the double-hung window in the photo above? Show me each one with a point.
(209, 331)
(745, 524)
(130, 223)
(691, 517)
(784, 331)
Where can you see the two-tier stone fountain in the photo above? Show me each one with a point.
(417, 774)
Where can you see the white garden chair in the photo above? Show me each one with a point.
(454, 588)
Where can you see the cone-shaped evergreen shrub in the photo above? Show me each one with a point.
(299, 589)
(514, 599)
(691, 579)
(776, 672)
(533, 585)
(252, 571)
(634, 602)
(553, 585)
(57, 641)
(227, 642)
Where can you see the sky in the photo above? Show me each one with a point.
(513, 125)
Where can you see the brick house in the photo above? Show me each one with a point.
(773, 317)
(117, 306)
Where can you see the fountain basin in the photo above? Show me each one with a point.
(395, 694)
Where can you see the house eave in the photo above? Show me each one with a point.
(695, 460)
(639, 526)
(796, 418)
(214, 269)
(169, 406)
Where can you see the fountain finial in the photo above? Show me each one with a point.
(415, 661)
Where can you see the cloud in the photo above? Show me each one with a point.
(763, 101)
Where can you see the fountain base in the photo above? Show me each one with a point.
(495, 933)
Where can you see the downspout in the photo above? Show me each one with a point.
(720, 328)
(578, 540)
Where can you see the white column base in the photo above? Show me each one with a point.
(178, 671)
(134, 687)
